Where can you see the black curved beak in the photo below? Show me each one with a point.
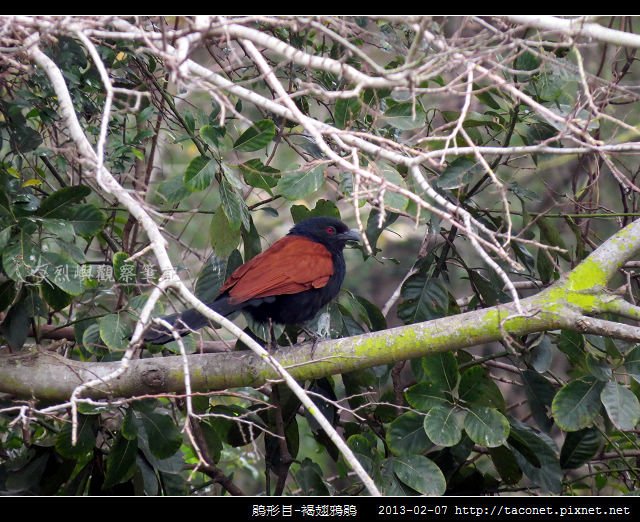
(351, 235)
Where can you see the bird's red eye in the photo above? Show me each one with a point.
(331, 230)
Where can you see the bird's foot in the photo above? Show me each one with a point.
(272, 345)
(314, 337)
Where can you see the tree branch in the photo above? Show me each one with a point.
(578, 27)
(108, 183)
(48, 376)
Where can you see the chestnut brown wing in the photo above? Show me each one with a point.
(291, 265)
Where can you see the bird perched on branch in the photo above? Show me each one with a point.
(288, 283)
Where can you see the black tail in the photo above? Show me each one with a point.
(186, 322)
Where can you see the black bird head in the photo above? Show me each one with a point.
(331, 232)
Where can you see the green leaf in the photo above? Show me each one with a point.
(15, 326)
(441, 369)
(323, 207)
(7, 294)
(506, 464)
(486, 98)
(595, 344)
(538, 132)
(59, 229)
(632, 363)
(346, 112)
(540, 393)
(124, 273)
(233, 262)
(91, 339)
(550, 235)
(13, 172)
(234, 206)
(442, 426)
(479, 390)
(224, 238)
(85, 442)
(350, 306)
(372, 230)
(200, 173)
(388, 482)
(309, 478)
(360, 444)
(251, 241)
(234, 432)
(140, 137)
(211, 277)
(423, 298)
(189, 343)
(541, 355)
(164, 436)
(393, 200)
(486, 427)
(258, 175)
(232, 177)
(406, 116)
(546, 269)
(490, 291)
(121, 462)
(87, 220)
(211, 437)
(292, 437)
(420, 474)
(173, 190)
(457, 173)
(309, 145)
(426, 395)
(57, 299)
(129, 428)
(25, 138)
(536, 456)
(21, 260)
(27, 477)
(406, 435)
(35, 305)
(376, 319)
(572, 345)
(345, 186)
(146, 113)
(577, 404)
(189, 120)
(527, 62)
(5, 236)
(62, 272)
(256, 137)
(301, 184)
(599, 368)
(517, 443)
(580, 447)
(622, 406)
(58, 203)
(524, 256)
(5, 205)
(212, 134)
(114, 331)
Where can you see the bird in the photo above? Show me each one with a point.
(286, 284)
